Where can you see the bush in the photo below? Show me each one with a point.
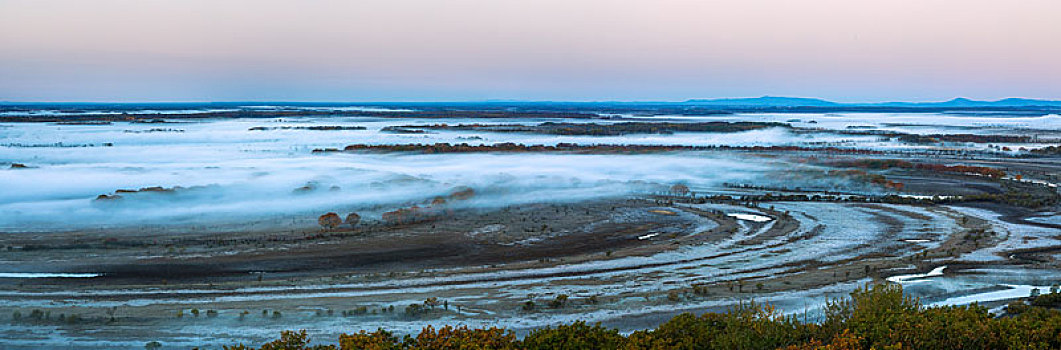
(1051, 300)
(289, 340)
(577, 335)
(873, 317)
(463, 337)
(415, 310)
(559, 302)
(378, 340)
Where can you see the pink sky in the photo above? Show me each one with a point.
(382, 50)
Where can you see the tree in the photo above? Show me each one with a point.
(680, 189)
(329, 221)
(353, 219)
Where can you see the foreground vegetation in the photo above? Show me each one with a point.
(875, 317)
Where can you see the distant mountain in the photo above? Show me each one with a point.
(775, 101)
(964, 102)
(1025, 102)
(765, 101)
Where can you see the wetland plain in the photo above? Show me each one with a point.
(210, 225)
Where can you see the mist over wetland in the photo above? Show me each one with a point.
(204, 226)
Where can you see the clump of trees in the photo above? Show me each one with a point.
(152, 189)
(874, 317)
(329, 221)
(861, 175)
(437, 208)
(1046, 151)
(1016, 193)
(938, 138)
(37, 316)
(314, 128)
(680, 190)
(509, 147)
(430, 305)
(883, 164)
(970, 138)
(105, 197)
(594, 129)
(402, 130)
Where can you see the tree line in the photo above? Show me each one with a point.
(612, 129)
(509, 147)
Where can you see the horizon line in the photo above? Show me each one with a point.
(504, 100)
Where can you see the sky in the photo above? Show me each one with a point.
(561, 50)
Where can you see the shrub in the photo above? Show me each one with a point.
(577, 335)
(463, 337)
(378, 340)
(873, 317)
(559, 302)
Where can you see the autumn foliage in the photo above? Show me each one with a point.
(329, 221)
(437, 208)
(875, 317)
